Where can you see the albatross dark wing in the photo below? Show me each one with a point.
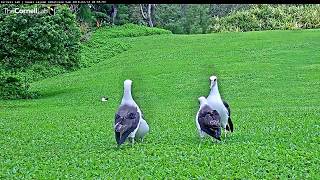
(209, 121)
(126, 121)
(230, 124)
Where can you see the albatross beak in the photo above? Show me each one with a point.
(121, 132)
(213, 83)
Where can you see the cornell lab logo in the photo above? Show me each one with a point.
(49, 10)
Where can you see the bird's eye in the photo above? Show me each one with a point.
(215, 80)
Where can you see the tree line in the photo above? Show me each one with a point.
(178, 18)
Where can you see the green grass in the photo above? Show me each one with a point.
(105, 42)
(270, 79)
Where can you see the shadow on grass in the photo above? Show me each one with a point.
(51, 94)
(14, 106)
(207, 141)
(127, 145)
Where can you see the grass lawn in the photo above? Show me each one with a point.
(270, 79)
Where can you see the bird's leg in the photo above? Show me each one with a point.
(201, 134)
(132, 141)
(225, 133)
(142, 139)
(229, 132)
(215, 140)
(201, 139)
(200, 142)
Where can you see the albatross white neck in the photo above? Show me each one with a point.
(214, 91)
(127, 97)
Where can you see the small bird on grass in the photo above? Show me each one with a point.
(104, 99)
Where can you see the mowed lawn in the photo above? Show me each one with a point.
(271, 80)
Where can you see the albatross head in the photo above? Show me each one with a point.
(213, 81)
(127, 83)
(202, 100)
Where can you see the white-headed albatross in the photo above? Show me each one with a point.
(208, 120)
(129, 119)
(216, 103)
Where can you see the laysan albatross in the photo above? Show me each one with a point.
(129, 122)
(216, 103)
(208, 120)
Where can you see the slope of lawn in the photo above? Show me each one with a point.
(270, 79)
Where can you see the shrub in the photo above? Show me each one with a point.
(35, 46)
(13, 86)
(28, 39)
(268, 17)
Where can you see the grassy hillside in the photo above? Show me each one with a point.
(270, 79)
